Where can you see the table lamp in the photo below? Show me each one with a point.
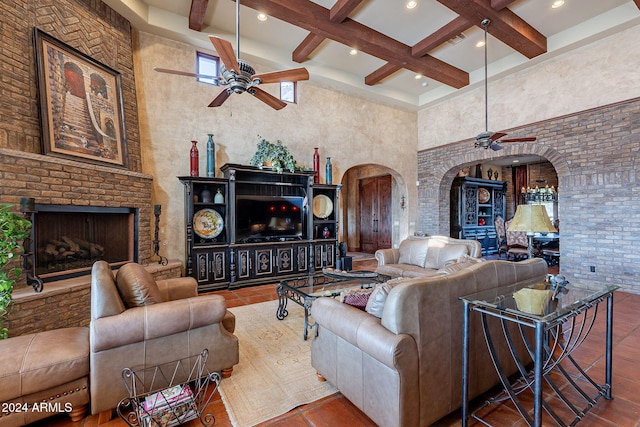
(531, 219)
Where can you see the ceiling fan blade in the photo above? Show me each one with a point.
(496, 136)
(186, 73)
(267, 98)
(292, 75)
(533, 138)
(496, 147)
(219, 100)
(225, 51)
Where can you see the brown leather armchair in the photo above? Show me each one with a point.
(138, 323)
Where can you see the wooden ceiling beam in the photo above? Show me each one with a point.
(449, 31)
(381, 74)
(306, 48)
(196, 14)
(315, 18)
(505, 25)
(338, 13)
(637, 2)
(500, 4)
(342, 9)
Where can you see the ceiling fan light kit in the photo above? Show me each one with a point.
(488, 139)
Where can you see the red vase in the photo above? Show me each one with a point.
(316, 166)
(195, 169)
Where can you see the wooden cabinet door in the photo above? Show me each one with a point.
(375, 213)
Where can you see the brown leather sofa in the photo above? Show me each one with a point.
(424, 256)
(137, 323)
(405, 368)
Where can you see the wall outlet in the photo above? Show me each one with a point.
(592, 268)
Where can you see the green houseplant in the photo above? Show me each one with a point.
(13, 229)
(276, 156)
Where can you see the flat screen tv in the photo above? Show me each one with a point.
(264, 218)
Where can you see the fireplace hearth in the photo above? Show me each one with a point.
(68, 240)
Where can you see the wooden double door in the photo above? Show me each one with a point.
(375, 213)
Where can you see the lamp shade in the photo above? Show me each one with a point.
(531, 218)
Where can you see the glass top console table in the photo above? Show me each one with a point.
(542, 324)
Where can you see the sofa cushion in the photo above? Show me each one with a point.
(439, 252)
(413, 252)
(375, 304)
(137, 286)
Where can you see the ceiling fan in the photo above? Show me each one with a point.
(240, 76)
(488, 139)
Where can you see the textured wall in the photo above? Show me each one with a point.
(173, 110)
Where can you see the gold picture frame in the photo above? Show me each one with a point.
(81, 108)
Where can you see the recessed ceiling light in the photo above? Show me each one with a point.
(557, 3)
(417, 76)
(480, 43)
(425, 84)
(353, 52)
(262, 16)
(516, 161)
(412, 4)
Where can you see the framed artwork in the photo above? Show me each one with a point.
(81, 106)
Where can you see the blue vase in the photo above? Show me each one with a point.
(328, 171)
(211, 157)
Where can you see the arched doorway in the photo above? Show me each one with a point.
(371, 208)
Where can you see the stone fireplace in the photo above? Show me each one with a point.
(67, 240)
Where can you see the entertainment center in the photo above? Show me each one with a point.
(257, 226)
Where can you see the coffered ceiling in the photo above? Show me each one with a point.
(435, 41)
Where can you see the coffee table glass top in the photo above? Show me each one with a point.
(325, 286)
(538, 300)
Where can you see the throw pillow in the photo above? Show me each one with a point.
(378, 297)
(413, 252)
(356, 297)
(137, 286)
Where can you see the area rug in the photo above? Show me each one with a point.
(274, 374)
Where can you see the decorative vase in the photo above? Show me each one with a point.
(219, 197)
(195, 169)
(316, 166)
(211, 157)
(328, 171)
(205, 195)
(479, 170)
(490, 173)
(326, 233)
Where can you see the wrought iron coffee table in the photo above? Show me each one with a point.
(304, 290)
(565, 323)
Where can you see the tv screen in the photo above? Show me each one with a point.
(266, 217)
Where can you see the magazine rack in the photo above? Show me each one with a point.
(170, 394)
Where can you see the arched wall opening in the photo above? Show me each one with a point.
(350, 218)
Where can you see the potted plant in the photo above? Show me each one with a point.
(276, 156)
(13, 229)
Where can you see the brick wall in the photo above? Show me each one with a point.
(97, 31)
(596, 157)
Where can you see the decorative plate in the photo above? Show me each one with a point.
(207, 223)
(483, 195)
(322, 206)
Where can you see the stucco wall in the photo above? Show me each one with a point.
(173, 111)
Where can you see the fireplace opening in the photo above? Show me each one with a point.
(69, 239)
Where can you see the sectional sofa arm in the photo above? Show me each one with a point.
(365, 332)
(139, 324)
(388, 256)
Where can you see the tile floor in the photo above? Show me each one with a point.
(336, 410)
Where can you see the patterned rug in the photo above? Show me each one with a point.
(274, 374)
